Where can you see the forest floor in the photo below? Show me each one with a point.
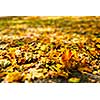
(51, 49)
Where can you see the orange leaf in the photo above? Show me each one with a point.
(66, 56)
(85, 68)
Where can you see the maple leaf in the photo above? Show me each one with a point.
(66, 56)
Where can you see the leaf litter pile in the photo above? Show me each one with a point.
(50, 49)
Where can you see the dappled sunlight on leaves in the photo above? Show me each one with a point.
(50, 49)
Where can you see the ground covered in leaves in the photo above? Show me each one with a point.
(49, 49)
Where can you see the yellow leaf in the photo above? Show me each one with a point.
(74, 80)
